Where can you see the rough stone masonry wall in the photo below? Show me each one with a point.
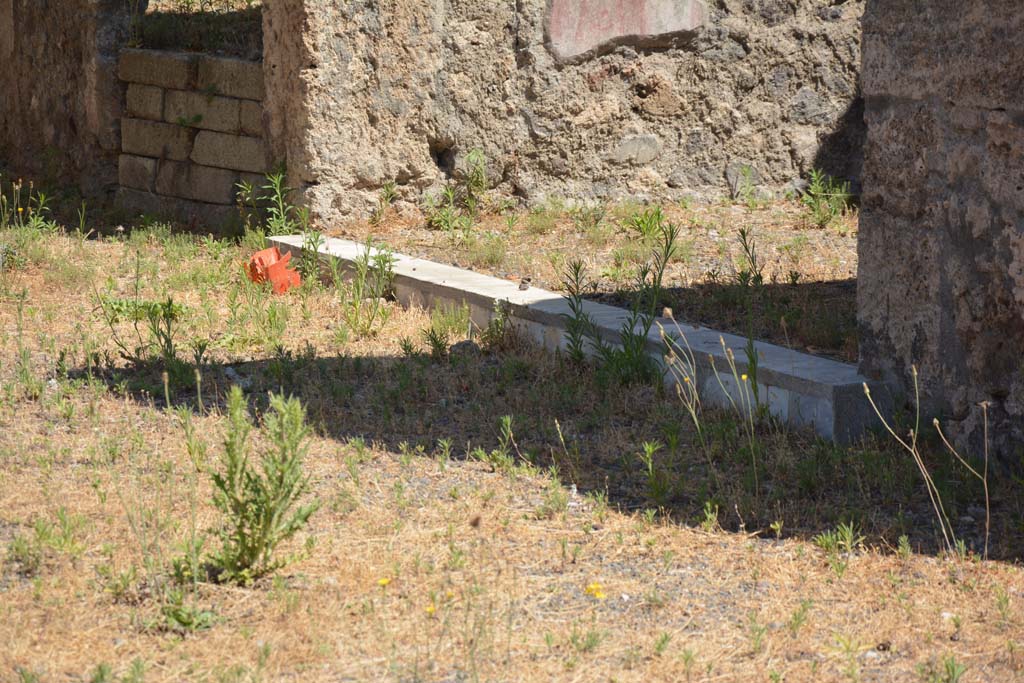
(192, 130)
(942, 227)
(59, 94)
(656, 99)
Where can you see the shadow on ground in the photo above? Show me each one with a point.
(232, 34)
(813, 317)
(841, 152)
(596, 435)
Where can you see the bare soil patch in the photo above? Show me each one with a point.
(445, 549)
(807, 300)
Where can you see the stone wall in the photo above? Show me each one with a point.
(942, 227)
(639, 98)
(59, 94)
(192, 130)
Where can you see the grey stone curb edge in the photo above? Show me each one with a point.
(800, 389)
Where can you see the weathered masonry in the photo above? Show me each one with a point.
(60, 101)
(649, 99)
(192, 130)
(941, 281)
(578, 99)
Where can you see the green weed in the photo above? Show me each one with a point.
(261, 506)
(826, 198)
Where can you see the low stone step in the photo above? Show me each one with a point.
(799, 389)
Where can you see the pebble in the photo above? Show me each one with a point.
(243, 382)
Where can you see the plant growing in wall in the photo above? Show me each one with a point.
(458, 207)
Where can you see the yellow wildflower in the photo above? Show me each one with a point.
(743, 377)
(596, 591)
(383, 583)
(431, 608)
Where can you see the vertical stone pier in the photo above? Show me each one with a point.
(941, 277)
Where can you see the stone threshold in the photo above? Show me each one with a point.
(801, 390)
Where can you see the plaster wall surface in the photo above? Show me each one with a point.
(941, 242)
(631, 101)
(577, 28)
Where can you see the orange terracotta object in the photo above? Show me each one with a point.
(269, 266)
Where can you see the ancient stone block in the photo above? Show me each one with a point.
(921, 50)
(136, 172)
(251, 118)
(637, 149)
(145, 102)
(103, 108)
(237, 152)
(201, 183)
(151, 67)
(941, 262)
(579, 27)
(198, 110)
(231, 77)
(155, 139)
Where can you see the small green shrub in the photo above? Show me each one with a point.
(498, 335)
(261, 505)
(826, 198)
(364, 296)
(452, 319)
(647, 223)
(388, 194)
(268, 208)
(487, 250)
(437, 341)
(459, 205)
(24, 207)
(625, 362)
(184, 617)
(29, 552)
(541, 221)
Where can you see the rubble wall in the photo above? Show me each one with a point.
(639, 98)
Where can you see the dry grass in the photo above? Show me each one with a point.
(487, 568)
(231, 28)
(809, 272)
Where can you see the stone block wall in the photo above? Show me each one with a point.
(576, 99)
(941, 242)
(192, 130)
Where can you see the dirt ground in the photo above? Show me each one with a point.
(445, 549)
(227, 28)
(807, 300)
